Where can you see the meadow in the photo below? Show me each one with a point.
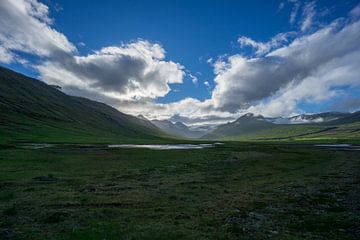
(237, 190)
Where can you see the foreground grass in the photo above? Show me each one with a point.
(236, 190)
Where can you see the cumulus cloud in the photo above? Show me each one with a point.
(6, 56)
(355, 12)
(310, 65)
(129, 71)
(191, 111)
(262, 48)
(26, 27)
(310, 68)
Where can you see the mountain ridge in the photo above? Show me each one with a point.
(250, 126)
(178, 129)
(30, 105)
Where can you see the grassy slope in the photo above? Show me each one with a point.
(33, 111)
(302, 132)
(242, 126)
(249, 128)
(234, 191)
(348, 132)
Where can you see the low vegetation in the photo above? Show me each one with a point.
(232, 191)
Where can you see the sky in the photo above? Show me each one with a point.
(199, 62)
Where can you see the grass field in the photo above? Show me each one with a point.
(233, 191)
(304, 132)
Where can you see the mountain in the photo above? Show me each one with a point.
(318, 117)
(32, 111)
(332, 126)
(177, 129)
(348, 119)
(247, 123)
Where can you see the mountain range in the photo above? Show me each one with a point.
(178, 129)
(32, 111)
(329, 125)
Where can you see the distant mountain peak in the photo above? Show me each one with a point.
(178, 129)
(181, 125)
(317, 117)
(142, 117)
(77, 116)
(249, 115)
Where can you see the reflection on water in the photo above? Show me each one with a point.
(36, 145)
(347, 147)
(333, 145)
(99, 146)
(163, 146)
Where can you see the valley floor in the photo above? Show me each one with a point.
(233, 191)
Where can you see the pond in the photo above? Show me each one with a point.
(163, 146)
(346, 147)
(111, 146)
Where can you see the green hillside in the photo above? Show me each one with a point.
(32, 111)
(249, 127)
(318, 132)
(177, 129)
(246, 124)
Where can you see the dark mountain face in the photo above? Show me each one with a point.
(34, 111)
(29, 106)
(318, 117)
(347, 119)
(180, 125)
(177, 129)
(250, 125)
(245, 124)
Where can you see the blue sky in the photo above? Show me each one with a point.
(189, 33)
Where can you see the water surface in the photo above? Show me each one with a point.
(346, 147)
(146, 146)
(162, 146)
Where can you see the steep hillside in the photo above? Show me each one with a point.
(245, 124)
(177, 129)
(34, 111)
(345, 126)
(318, 117)
(348, 119)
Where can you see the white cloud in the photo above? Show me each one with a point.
(308, 15)
(191, 111)
(6, 56)
(207, 86)
(355, 12)
(136, 71)
(193, 78)
(262, 48)
(311, 68)
(294, 12)
(26, 27)
(131, 76)
(129, 71)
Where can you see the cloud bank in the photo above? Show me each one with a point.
(25, 26)
(130, 71)
(310, 64)
(313, 67)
